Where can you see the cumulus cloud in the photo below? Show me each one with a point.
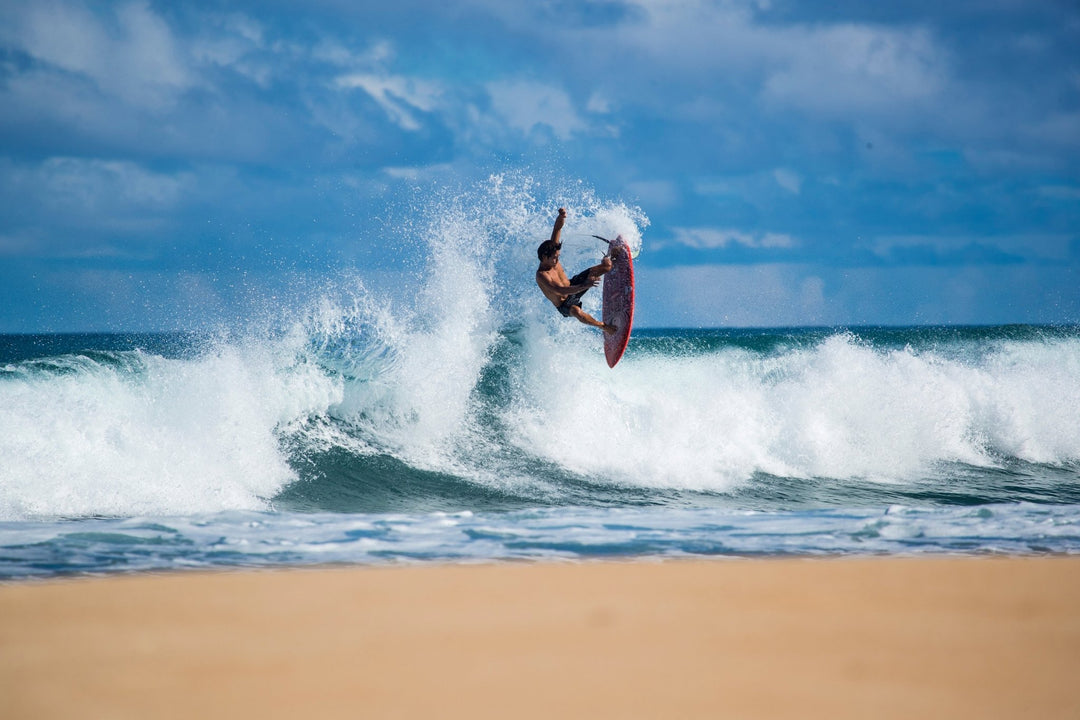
(399, 96)
(856, 68)
(817, 66)
(132, 54)
(708, 238)
(123, 79)
(330, 50)
(238, 44)
(525, 104)
(598, 104)
(77, 207)
(93, 185)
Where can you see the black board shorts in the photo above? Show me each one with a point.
(574, 300)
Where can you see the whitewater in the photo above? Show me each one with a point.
(464, 420)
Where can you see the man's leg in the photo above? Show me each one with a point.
(588, 319)
(597, 271)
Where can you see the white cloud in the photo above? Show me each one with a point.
(789, 180)
(707, 238)
(397, 95)
(96, 182)
(74, 207)
(333, 52)
(237, 44)
(415, 174)
(524, 105)
(120, 79)
(133, 55)
(598, 104)
(695, 56)
(856, 68)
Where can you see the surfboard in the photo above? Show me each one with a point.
(618, 300)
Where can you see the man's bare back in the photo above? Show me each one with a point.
(563, 292)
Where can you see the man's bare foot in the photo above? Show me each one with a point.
(610, 329)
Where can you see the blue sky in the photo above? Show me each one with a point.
(835, 163)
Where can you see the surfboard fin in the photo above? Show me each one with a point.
(633, 253)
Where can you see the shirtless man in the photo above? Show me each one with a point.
(565, 294)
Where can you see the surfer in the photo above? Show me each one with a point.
(565, 294)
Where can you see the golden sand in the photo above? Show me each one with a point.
(837, 638)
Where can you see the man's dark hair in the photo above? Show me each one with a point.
(547, 249)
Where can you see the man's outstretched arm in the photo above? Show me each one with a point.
(557, 230)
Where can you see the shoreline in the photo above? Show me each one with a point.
(729, 637)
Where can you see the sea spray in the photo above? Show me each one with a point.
(476, 281)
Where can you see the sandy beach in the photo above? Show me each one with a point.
(945, 637)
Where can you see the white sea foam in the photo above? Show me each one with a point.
(161, 436)
(568, 533)
(840, 409)
(158, 435)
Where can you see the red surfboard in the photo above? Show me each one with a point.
(618, 300)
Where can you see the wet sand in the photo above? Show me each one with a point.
(831, 638)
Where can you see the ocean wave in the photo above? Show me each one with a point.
(532, 416)
(470, 393)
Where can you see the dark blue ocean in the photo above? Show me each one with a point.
(355, 435)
